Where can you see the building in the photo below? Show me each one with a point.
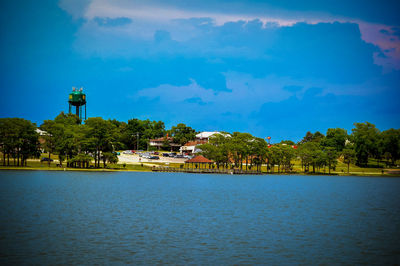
(160, 142)
(205, 136)
(191, 146)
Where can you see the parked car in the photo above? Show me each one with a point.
(154, 157)
(172, 154)
(45, 159)
(156, 153)
(179, 156)
(165, 155)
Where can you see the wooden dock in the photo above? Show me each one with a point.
(205, 171)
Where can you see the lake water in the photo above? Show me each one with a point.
(174, 218)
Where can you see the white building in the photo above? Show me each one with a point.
(205, 136)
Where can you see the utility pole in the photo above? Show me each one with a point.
(137, 140)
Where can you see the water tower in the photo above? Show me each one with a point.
(78, 99)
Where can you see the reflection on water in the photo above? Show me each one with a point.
(158, 218)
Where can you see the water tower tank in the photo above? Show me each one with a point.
(78, 99)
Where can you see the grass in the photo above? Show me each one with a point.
(341, 168)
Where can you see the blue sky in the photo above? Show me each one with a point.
(270, 68)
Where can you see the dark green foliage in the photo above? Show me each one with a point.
(366, 140)
(136, 134)
(336, 138)
(18, 140)
(390, 143)
(98, 139)
(182, 133)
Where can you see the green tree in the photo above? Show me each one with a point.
(182, 133)
(136, 133)
(365, 138)
(349, 156)
(52, 130)
(336, 138)
(311, 154)
(310, 137)
(18, 139)
(391, 144)
(110, 157)
(331, 157)
(100, 137)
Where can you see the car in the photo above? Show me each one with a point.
(45, 159)
(146, 155)
(165, 155)
(156, 153)
(154, 157)
(179, 156)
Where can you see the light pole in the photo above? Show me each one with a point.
(137, 140)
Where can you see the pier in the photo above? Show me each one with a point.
(205, 171)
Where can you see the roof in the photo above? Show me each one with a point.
(194, 143)
(41, 132)
(199, 159)
(162, 139)
(206, 134)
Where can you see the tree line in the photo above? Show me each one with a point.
(78, 144)
(316, 151)
(97, 140)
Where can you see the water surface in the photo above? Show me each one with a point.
(176, 218)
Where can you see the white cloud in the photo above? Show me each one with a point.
(149, 17)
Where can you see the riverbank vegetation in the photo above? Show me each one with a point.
(94, 143)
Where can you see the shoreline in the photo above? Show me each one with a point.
(150, 170)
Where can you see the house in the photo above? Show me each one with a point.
(205, 136)
(191, 146)
(160, 142)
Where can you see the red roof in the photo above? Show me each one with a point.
(161, 139)
(194, 143)
(199, 159)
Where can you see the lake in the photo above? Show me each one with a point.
(174, 218)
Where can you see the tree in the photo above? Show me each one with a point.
(391, 144)
(365, 137)
(110, 157)
(336, 138)
(136, 133)
(259, 149)
(310, 137)
(18, 139)
(288, 142)
(288, 154)
(100, 137)
(182, 133)
(311, 154)
(349, 156)
(331, 157)
(53, 130)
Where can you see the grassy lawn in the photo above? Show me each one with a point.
(341, 168)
